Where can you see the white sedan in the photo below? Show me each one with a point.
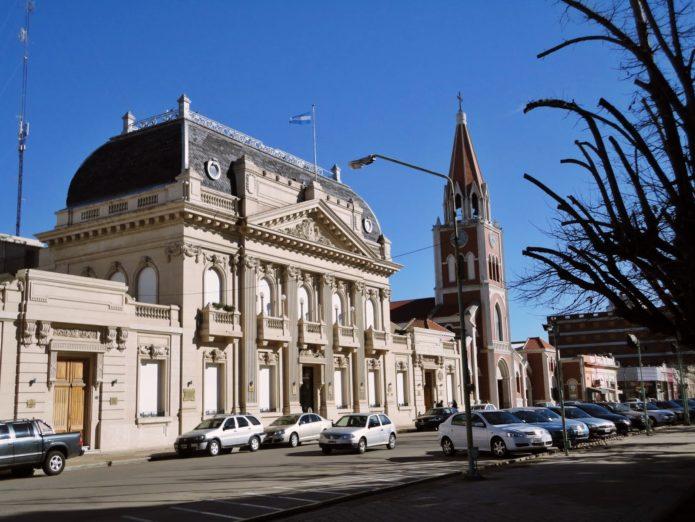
(295, 429)
(498, 432)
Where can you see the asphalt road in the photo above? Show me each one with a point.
(230, 487)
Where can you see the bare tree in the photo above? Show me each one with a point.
(629, 242)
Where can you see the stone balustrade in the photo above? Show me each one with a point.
(273, 328)
(168, 314)
(312, 333)
(219, 324)
(376, 340)
(345, 336)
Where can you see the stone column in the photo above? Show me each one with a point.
(291, 369)
(359, 376)
(471, 333)
(326, 314)
(248, 361)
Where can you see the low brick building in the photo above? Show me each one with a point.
(590, 378)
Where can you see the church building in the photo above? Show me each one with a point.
(501, 372)
(196, 270)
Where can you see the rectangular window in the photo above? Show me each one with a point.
(151, 396)
(449, 388)
(213, 394)
(400, 389)
(264, 389)
(371, 386)
(338, 389)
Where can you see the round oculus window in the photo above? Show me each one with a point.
(213, 169)
(368, 225)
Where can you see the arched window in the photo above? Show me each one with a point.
(499, 324)
(451, 268)
(338, 309)
(458, 203)
(470, 266)
(303, 303)
(369, 315)
(119, 277)
(147, 285)
(474, 205)
(264, 304)
(518, 383)
(212, 287)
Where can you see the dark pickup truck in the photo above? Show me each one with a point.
(26, 445)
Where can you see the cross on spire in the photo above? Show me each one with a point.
(459, 97)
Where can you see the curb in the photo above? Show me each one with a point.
(387, 489)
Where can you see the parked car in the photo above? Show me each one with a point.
(498, 432)
(295, 429)
(598, 428)
(673, 405)
(622, 423)
(29, 444)
(485, 406)
(656, 414)
(576, 431)
(359, 431)
(637, 418)
(221, 432)
(432, 418)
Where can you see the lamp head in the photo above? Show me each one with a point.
(632, 340)
(362, 162)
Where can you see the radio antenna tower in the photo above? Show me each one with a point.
(23, 123)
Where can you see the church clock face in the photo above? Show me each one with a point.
(213, 169)
(367, 225)
(493, 241)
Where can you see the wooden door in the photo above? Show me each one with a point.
(69, 396)
(429, 389)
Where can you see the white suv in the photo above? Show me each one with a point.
(498, 432)
(221, 432)
(359, 431)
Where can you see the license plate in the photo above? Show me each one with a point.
(184, 446)
(536, 440)
(332, 441)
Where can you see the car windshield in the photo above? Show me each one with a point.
(652, 406)
(209, 424)
(675, 404)
(438, 411)
(572, 412)
(594, 408)
(352, 421)
(287, 420)
(621, 407)
(499, 417)
(543, 415)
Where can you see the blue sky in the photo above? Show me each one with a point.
(384, 76)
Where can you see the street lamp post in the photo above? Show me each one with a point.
(634, 342)
(552, 328)
(684, 394)
(472, 471)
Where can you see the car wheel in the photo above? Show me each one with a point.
(448, 447)
(22, 472)
(294, 440)
(254, 444)
(54, 463)
(326, 451)
(392, 442)
(499, 448)
(362, 445)
(214, 448)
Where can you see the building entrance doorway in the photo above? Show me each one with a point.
(429, 389)
(70, 397)
(306, 390)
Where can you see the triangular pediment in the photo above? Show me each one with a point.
(313, 222)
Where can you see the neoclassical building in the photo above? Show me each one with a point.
(501, 372)
(196, 270)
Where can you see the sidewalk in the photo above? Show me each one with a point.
(97, 458)
(637, 478)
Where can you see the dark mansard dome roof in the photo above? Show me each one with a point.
(143, 159)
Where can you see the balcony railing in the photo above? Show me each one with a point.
(311, 333)
(219, 324)
(168, 314)
(376, 339)
(345, 336)
(400, 340)
(273, 328)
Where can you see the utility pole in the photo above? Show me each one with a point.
(23, 123)
(552, 328)
(634, 342)
(684, 394)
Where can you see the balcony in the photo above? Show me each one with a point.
(311, 333)
(376, 340)
(345, 336)
(219, 324)
(273, 329)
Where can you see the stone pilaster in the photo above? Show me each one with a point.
(326, 290)
(359, 372)
(292, 370)
(248, 361)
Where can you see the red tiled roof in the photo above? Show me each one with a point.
(405, 310)
(536, 343)
(428, 324)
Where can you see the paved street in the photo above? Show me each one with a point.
(637, 478)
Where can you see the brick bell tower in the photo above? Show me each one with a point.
(482, 274)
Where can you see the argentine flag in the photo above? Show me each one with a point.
(301, 119)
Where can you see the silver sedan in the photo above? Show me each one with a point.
(295, 429)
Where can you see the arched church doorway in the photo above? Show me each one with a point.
(503, 390)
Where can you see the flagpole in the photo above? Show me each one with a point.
(313, 125)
